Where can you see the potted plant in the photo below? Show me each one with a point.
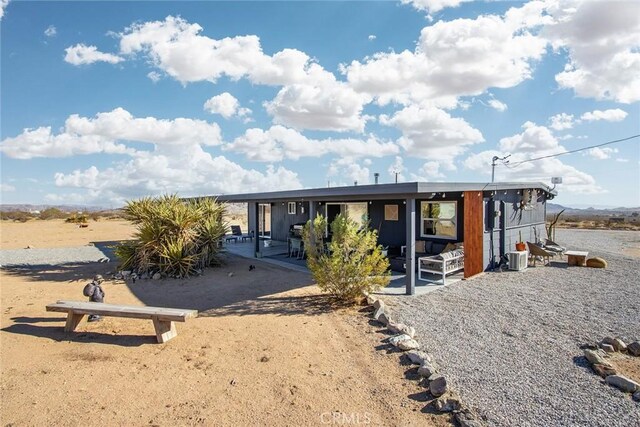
(520, 246)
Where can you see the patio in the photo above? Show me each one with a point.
(277, 253)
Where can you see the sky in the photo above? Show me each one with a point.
(103, 102)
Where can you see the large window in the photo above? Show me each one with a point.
(439, 219)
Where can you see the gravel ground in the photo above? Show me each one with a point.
(52, 256)
(510, 342)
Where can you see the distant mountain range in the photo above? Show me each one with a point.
(64, 208)
(552, 208)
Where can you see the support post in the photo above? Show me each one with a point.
(165, 329)
(312, 216)
(410, 278)
(256, 227)
(73, 319)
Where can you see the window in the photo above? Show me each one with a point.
(357, 212)
(439, 219)
(292, 208)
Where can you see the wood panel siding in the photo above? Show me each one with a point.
(473, 233)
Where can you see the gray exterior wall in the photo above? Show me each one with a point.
(281, 220)
(503, 232)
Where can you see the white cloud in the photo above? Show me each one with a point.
(612, 115)
(81, 54)
(226, 105)
(433, 6)
(603, 42)
(561, 121)
(601, 153)
(278, 143)
(101, 134)
(432, 133)
(396, 168)
(498, 105)
(311, 97)
(534, 139)
(372, 37)
(50, 31)
(349, 169)
(7, 188)
(154, 76)
(3, 6)
(455, 58)
(574, 180)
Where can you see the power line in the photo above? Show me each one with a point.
(576, 150)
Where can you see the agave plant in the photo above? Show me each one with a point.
(174, 237)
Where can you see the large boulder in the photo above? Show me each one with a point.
(596, 262)
(409, 344)
(418, 357)
(448, 403)
(397, 339)
(595, 358)
(437, 385)
(623, 383)
(634, 348)
(426, 369)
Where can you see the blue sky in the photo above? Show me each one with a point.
(107, 101)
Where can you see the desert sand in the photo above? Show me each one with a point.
(267, 349)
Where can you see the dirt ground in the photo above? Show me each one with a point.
(266, 350)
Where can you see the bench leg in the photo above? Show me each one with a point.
(165, 330)
(73, 320)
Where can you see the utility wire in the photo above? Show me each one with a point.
(574, 151)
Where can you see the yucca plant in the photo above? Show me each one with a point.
(174, 237)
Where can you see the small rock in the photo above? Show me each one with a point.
(371, 299)
(603, 371)
(426, 369)
(156, 276)
(409, 344)
(125, 273)
(384, 319)
(396, 339)
(465, 419)
(378, 315)
(447, 403)
(607, 347)
(230, 274)
(437, 385)
(378, 304)
(418, 357)
(401, 328)
(636, 396)
(623, 383)
(634, 348)
(619, 345)
(595, 358)
(596, 262)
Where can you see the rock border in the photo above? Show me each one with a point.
(447, 400)
(597, 356)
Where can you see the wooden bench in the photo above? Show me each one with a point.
(163, 318)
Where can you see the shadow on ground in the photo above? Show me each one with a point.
(57, 333)
(68, 272)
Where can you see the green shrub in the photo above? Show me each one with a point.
(351, 264)
(52, 213)
(173, 237)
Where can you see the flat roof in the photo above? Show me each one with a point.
(401, 190)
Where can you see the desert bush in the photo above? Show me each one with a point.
(351, 264)
(52, 213)
(174, 237)
(19, 216)
(79, 218)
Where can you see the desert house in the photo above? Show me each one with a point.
(413, 217)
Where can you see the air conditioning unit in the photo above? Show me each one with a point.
(517, 260)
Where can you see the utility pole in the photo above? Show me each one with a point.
(493, 164)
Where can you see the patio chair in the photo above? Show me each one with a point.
(296, 246)
(536, 251)
(236, 232)
(552, 246)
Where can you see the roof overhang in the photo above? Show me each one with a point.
(403, 190)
